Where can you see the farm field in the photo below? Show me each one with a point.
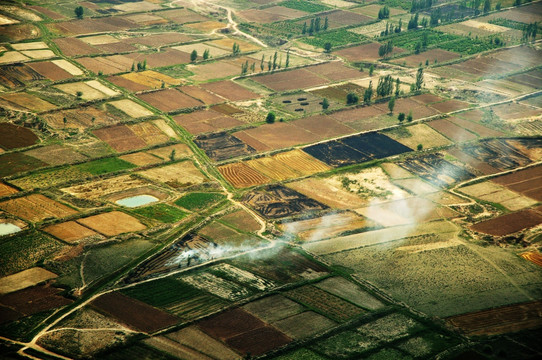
(291, 179)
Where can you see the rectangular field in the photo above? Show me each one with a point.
(36, 207)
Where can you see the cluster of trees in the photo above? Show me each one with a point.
(422, 45)
(244, 67)
(386, 86)
(418, 5)
(141, 65)
(413, 22)
(274, 62)
(236, 49)
(401, 117)
(194, 55)
(79, 12)
(315, 26)
(385, 49)
(529, 31)
(390, 28)
(384, 13)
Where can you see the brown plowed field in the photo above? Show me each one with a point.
(366, 52)
(201, 121)
(134, 313)
(14, 136)
(204, 96)
(33, 300)
(475, 127)
(241, 176)
(55, 154)
(74, 47)
(166, 57)
(280, 135)
(451, 130)
(515, 111)
(6, 190)
(273, 168)
(50, 70)
(336, 71)
(480, 166)
(533, 257)
(527, 182)
(510, 223)
(500, 320)
(290, 80)
(36, 207)
(258, 341)
(127, 84)
(157, 40)
(120, 138)
(169, 100)
(28, 101)
(323, 126)
(104, 64)
(69, 231)
(16, 75)
(149, 133)
(53, 15)
(181, 16)
(350, 115)
(230, 90)
(112, 223)
(80, 118)
(450, 105)
(431, 55)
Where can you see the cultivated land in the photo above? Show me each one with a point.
(298, 179)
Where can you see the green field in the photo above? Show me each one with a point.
(162, 292)
(198, 201)
(104, 166)
(161, 212)
(303, 5)
(335, 38)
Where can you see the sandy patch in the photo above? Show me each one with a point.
(99, 39)
(89, 93)
(39, 54)
(485, 26)
(11, 57)
(419, 134)
(176, 175)
(69, 67)
(102, 88)
(36, 45)
(131, 108)
(166, 129)
(4, 20)
(201, 47)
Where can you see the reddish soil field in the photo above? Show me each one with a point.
(112, 223)
(69, 231)
(36, 207)
(202, 121)
(80, 118)
(230, 323)
(169, 100)
(6, 190)
(33, 300)
(16, 162)
(425, 99)
(120, 138)
(515, 111)
(202, 95)
(118, 47)
(527, 182)
(181, 16)
(74, 47)
(481, 167)
(280, 135)
(534, 257)
(450, 105)
(166, 57)
(360, 113)
(340, 18)
(53, 15)
(510, 223)
(438, 54)
(366, 52)
(323, 126)
(230, 90)
(127, 84)
(50, 70)
(500, 320)
(336, 71)
(451, 130)
(14, 136)
(241, 176)
(134, 313)
(93, 25)
(290, 80)
(475, 127)
(258, 341)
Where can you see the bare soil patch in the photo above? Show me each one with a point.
(24, 279)
(14, 136)
(240, 175)
(509, 223)
(69, 231)
(169, 100)
(365, 52)
(112, 223)
(290, 80)
(120, 138)
(280, 135)
(433, 55)
(50, 70)
(176, 175)
(36, 207)
(56, 155)
(230, 90)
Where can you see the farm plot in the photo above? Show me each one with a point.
(304, 325)
(515, 111)
(141, 158)
(463, 120)
(182, 16)
(526, 182)
(55, 154)
(433, 55)
(120, 137)
(24, 279)
(218, 286)
(230, 90)
(36, 207)
(489, 191)
(341, 18)
(55, 70)
(437, 171)
(150, 79)
(196, 339)
(273, 308)
(149, 133)
(92, 90)
(302, 103)
(17, 75)
(276, 136)
(375, 145)
(107, 64)
(223, 235)
(276, 201)
(324, 227)
(241, 175)
(32, 301)
(181, 150)
(112, 223)
(134, 313)
(214, 70)
(10, 57)
(176, 175)
(26, 101)
(324, 126)
(335, 154)
(93, 190)
(81, 117)
(338, 93)
(14, 136)
(500, 320)
(407, 105)
(196, 201)
(272, 168)
(497, 153)
(324, 302)
(202, 121)
(169, 100)
(6, 190)
(270, 15)
(14, 163)
(452, 131)
(509, 223)
(411, 136)
(241, 220)
(69, 231)
(346, 290)
(290, 80)
(365, 52)
(244, 332)
(222, 146)
(533, 257)
(450, 106)
(336, 71)
(328, 191)
(131, 108)
(75, 47)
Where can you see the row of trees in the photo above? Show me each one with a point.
(529, 31)
(418, 5)
(385, 49)
(194, 55)
(315, 26)
(141, 65)
(384, 13)
(390, 28)
(274, 62)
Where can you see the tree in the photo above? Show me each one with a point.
(79, 12)
(163, 84)
(371, 70)
(384, 13)
(352, 98)
(391, 105)
(401, 117)
(419, 79)
(325, 104)
(311, 27)
(270, 118)
(397, 86)
(409, 117)
(275, 60)
(398, 28)
(517, 2)
(327, 47)
(287, 58)
(144, 65)
(487, 6)
(236, 49)
(269, 64)
(262, 63)
(419, 147)
(206, 54)
(413, 22)
(498, 6)
(133, 66)
(65, 120)
(326, 24)
(317, 24)
(253, 67)
(193, 55)
(172, 155)
(368, 94)
(304, 31)
(385, 86)
(79, 94)
(93, 120)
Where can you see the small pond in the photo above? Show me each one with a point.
(138, 200)
(7, 228)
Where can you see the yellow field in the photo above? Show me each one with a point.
(176, 175)
(24, 279)
(39, 54)
(30, 46)
(227, 43)
(149, 133)
(271, 167)
(89, 93)
(11, 57)
(302, 162)
(131, 108)
(151, 78)
(206, 26)
(28, 101)
(420, 134)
